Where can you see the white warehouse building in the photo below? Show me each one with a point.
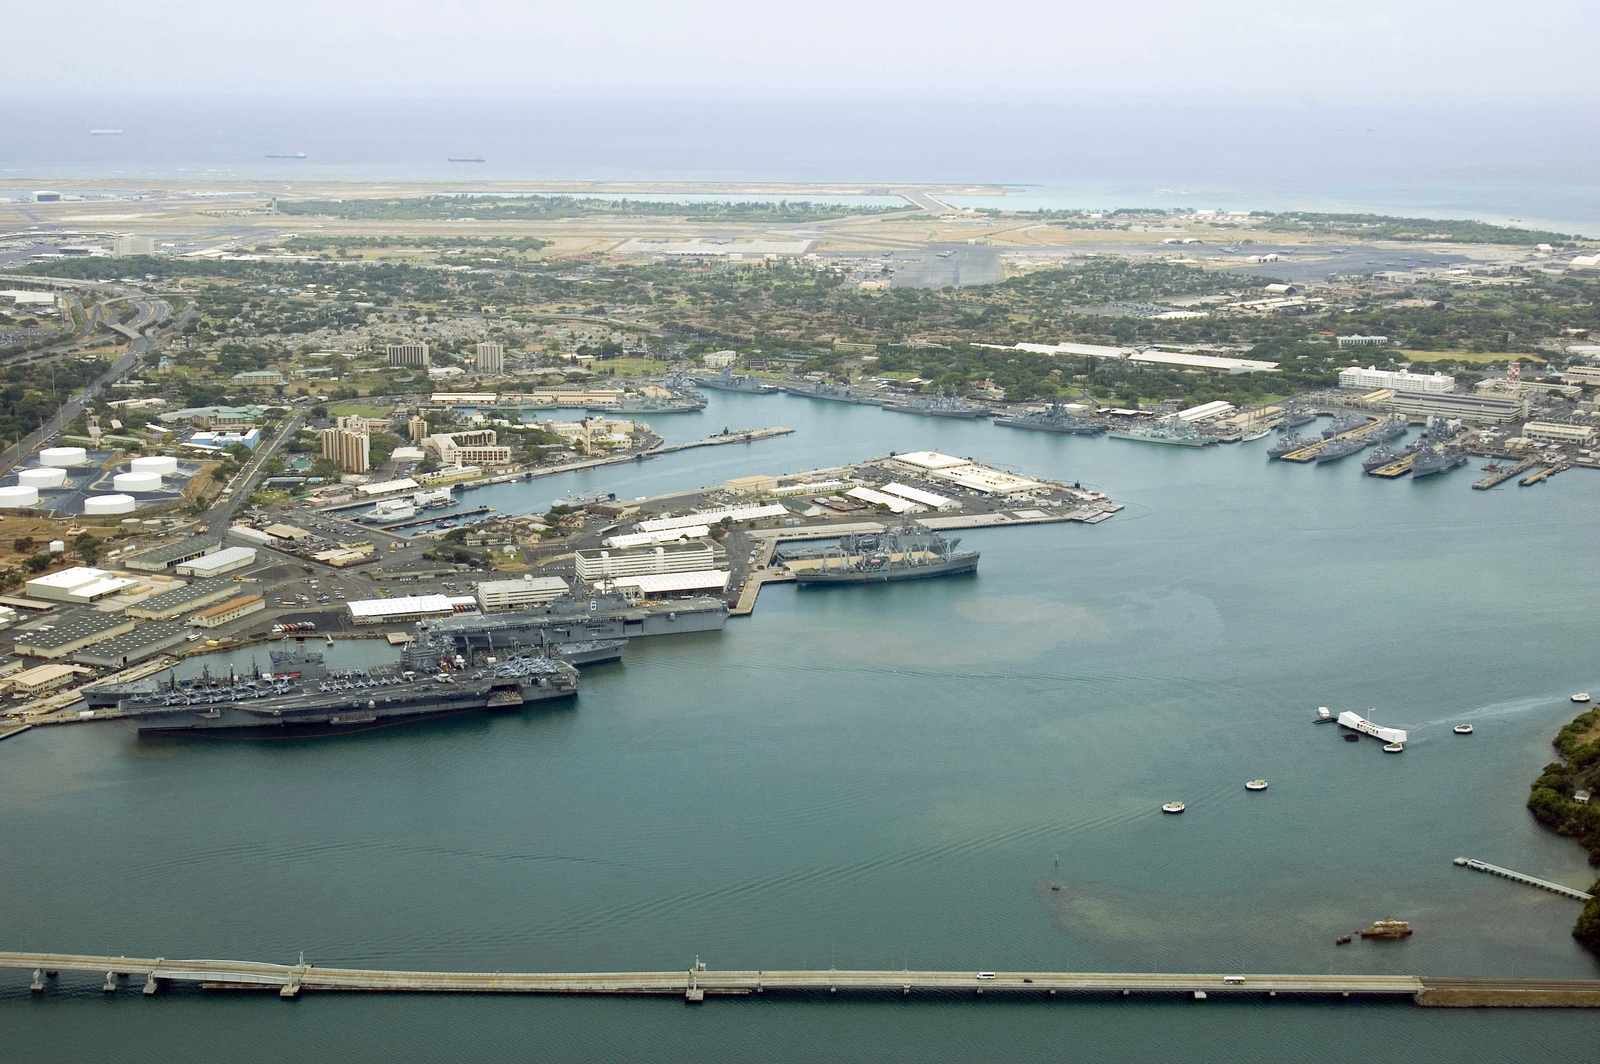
(225, 560)
(594, 566)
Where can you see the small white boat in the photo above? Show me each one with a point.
(1172, 807)
(1256, 785)
(1581, 696)
(1262, 434)
(1463, 729)
(1394, 748)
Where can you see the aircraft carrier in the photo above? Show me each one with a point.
(303, 696)
(908, 553)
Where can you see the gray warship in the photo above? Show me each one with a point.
(939, 406)
(1173, 431)
(1343, 423)
(729, 381)
(1339, 447)
(1381, 456)
(1387, 429)
(303, 696)
(1293, 418)
(836, 393)
(1289, 443)
(1054, 418)
(1431, 460)
(910, 552)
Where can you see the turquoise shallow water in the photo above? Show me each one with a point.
(886, 777)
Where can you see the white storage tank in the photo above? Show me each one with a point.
(63, 457)
(137, 481)
(161, 464)
(43, 477)
(58, 546)
(18, 495)
(107, 504)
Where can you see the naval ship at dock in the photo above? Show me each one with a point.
(729, 381)
(938, 406)
(1054, 418)
(911, 552)
(302, 694)
(835, 393)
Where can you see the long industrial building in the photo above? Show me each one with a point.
(409, 608)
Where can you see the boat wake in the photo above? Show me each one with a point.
(1499, 709)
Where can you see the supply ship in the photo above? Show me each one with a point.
(729, 381)
(911, 552)
(939, 406)
(1172, 431)
(302, 694)
(1054, 418)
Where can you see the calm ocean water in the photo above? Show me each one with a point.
(1418, 157)
(887, 777)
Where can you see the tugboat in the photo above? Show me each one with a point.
(1172, 807)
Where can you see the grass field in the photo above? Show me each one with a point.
(358, 410)
(1477, 358)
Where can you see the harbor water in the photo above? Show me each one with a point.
(894, 776)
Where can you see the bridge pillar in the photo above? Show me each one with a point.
(150, 984)
(37, 986)
(1272, 993)
(1199, 995)
(111, 983)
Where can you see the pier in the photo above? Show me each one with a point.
(451, 515)
(1532, 881)
(1309, 454)
(732, 436)
(1503, 473)
(696, 984)
(1542, 475)
(1398, 468)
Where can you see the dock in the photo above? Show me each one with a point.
(1503, 473)
(1532, 881)
(696, 984)
(8, 730)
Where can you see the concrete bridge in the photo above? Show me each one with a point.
(697, 983)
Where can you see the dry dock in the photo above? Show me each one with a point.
(697, 983)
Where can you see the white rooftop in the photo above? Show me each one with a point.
(930, 460)
(67, 579)
(709, 517)
(106, 585)
(386, 486)
(878, 498)
(660, 583)
(533, 583)
(406, 605)
(650, 539)
(906, 491)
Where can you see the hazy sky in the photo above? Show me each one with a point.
(1444, 50)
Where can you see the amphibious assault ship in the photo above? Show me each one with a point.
(911, 552)
(939, 406)
(302, 694)
(1173, 431)
(1054, 418)
(729, 381)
